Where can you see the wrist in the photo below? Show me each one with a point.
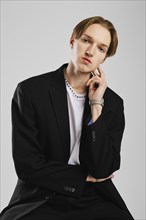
(93, 102)
(95, 112)
(96, 108)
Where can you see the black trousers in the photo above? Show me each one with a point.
(66, 208)
(91, 206)
(46, 213)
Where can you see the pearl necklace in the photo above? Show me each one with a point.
(73, 92)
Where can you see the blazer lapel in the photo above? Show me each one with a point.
(87, 111)
(58, 97)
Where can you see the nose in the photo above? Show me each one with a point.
(90, 51)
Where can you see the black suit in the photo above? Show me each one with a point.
(41, 147)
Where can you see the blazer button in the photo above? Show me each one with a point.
(93, 136)
(47, 197)
(73, 190)
(70, 189)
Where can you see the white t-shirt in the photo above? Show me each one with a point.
(76, 104)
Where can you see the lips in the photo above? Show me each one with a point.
(86, 60)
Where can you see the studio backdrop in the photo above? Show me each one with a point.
(35, 39)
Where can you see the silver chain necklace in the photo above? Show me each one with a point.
(73, 92)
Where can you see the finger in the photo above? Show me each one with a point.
(95, 83)
(97, 72)
(93, 74)
(92, 79)
(90, 179)
(100, 71)
(109, 177)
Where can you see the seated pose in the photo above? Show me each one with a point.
(67, 128)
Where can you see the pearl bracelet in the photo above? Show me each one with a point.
(96, 102)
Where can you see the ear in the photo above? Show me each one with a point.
(71, 41)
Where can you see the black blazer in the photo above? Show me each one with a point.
(41, 144)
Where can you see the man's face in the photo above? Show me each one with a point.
(90, 50)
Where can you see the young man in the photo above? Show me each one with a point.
(67, 133)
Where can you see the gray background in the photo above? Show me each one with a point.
(35, 39)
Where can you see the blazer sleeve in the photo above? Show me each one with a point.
(101, 152)
(29, 158)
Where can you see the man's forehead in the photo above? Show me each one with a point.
(97, 32)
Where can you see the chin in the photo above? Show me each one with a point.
(83, 68)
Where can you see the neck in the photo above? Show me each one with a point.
(77, 79)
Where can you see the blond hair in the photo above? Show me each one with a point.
(81, 27)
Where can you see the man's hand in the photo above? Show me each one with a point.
(97, 92)
(93, 180)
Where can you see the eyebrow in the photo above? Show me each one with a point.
(92, 39)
